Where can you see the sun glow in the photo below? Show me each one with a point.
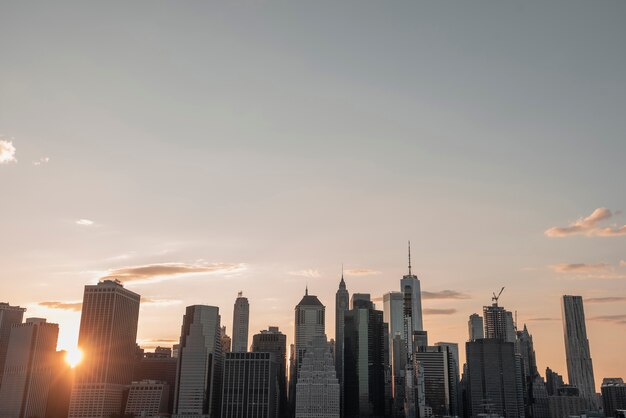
(73, 357)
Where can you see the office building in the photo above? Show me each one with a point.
(567, 403)
(317, 389)
(275, 342)
(494, 382)
(341, 307)
(29, 368)
(412, 304)
(438, 368)
(226, 340)
(199, 369)
(158, 366)
(309, 325)
(148, 398)
(577, 353)
(475, 327)
(249, 385)
(241, 321)
(554, 381)
(107, 338)
(398, 366)
(365, 365)
(613, 396)
(499, 323)
(60, 392)
(393, 314)
(9, 316)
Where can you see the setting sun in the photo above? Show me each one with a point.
(73, 357)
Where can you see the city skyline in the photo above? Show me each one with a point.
(196, 151)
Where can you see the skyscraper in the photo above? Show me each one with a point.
(309, 324)
(613, 395)
(199, 371)
(148, 398)
(475, 327)
(29, 369)
(493, 379)
(393, 314)
(412, 303)
(499, 323)
(554, 381)
(341, 306)
(577, 353)
(440, 379)
(107, 338)
(9, 315)
(317, 389)
(364, 361)
(241, 320)
(275, 342)
(249, 386)
(158, 366)
(226, 341)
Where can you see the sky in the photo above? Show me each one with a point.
(197, 149)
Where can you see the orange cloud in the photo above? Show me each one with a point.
(153, 273)
(607, 299)
(436, 311)
(361, 272)
(444, 294)
(306, 273)
(66, 306)
(580, 268)
(613, 319)
(588, 226)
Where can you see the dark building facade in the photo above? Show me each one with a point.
(158, 366)
(275, 342)
(613, 396)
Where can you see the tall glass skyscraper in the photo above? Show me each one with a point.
(341, 307)
(9, 316)
(199, 370)
(578, 356)
(107, 338)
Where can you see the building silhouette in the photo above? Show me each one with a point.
(275, 342)
(439, 371)
(317, 389)
(365, 360)
(341, 307)
(226, 340)
(613, 396)
(148, 398)
(554, 381)
(577, 353)
(29, 369)
(475, 327)
(250, 385)
(567, 402)
(499, 323)
(241, 321)
(9, 316)
(159, 366)
(199, 368)
(309, 325)
(107, 338)
(60, 391)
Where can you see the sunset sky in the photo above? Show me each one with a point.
(196, 149)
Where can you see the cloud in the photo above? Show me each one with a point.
(42, 160)
(580, 268)
(437, 311)
(613, 319)
(606, 299)
(7, 152)
(543, 319)
(159, 302)
(361, 272)
(84, 222)
(153, 273)
(588, 226)
(66, 306)
(622, 263)
(444, 294)
(310, 273)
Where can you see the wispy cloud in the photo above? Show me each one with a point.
(622, 263)
(85, 222)
(310, 273)
(7, 152)
(444, 294)
(153, 273)
(159, 302)
(613, 319)
(580, 268)
(42, 160)
(438, 311)
(540, 319)
(66, 306)
(588, 226)
(606, 299)
(361, 272)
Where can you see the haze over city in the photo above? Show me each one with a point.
(196, 150)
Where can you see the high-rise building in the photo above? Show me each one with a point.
(398, 365)
(226, 340)
(412, 303)
(365, 365)
(317, 389)
(613, 395)
(275, 342)
(158, 366)
(494, 384)
(241, 321)
(28, 369)
(199, 370)
(107, 338)
(249, 386)
(393, 314)
(567, 402)
(62, 381)
(475, 327)
(453, 350)
(554, 381)
(499, 323)
(440, 380)
(9, 316)
(148, 398)
(341, 307)
(577, 353)
(309, 324)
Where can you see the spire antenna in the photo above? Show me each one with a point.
(409, 257)
(306, 290)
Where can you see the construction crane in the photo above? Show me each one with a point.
(495, 298)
